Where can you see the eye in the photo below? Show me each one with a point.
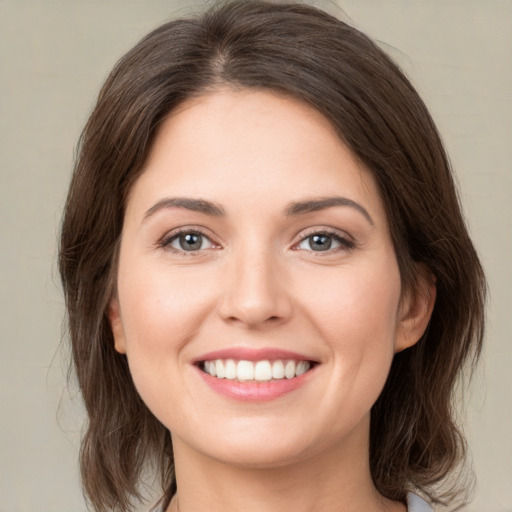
(188, 241)
(324, 241)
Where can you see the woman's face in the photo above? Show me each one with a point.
(258, 297)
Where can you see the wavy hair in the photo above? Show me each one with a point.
(307, 54)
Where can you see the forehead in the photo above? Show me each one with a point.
(239, 144)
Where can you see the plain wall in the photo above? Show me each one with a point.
(54, 56)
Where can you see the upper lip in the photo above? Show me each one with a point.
(253, 354)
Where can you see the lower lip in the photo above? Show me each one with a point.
(252, 391)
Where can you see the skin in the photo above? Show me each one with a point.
(255, 282)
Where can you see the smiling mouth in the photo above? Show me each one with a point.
(255, 371)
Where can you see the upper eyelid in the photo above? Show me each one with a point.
(173, 233)
(339, 233)
(299, 237)
(346, 241)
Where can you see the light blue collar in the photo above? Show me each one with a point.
(417, 504)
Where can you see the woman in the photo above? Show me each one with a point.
(270, 287)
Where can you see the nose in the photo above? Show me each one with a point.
(255, 294)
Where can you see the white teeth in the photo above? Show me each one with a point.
(278, 370)
(209, 367)
(302, 367)
(289, 370)
(219, 369)
(231, 371)
(260, 371)
(245, 370)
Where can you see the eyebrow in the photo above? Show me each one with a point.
(196, 205)
(322, 203)
(295, 208)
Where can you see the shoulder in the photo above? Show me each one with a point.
(417, 504)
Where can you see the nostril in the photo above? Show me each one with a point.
(255, 303)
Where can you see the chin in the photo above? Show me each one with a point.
(259, 455)
(264, 444)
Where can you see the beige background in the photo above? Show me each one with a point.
(53, 58)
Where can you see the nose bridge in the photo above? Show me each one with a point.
(255, 291)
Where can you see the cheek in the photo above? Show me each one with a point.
(356, 314)
(360, 300)
(162, 310)
(160, 305)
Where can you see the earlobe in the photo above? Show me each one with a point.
(116, 325)
(416, 311)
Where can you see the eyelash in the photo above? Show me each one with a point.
(344, 242)
(166, 241)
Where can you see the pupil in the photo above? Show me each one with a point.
(320, 242)
(190, 242)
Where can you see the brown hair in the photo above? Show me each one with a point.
(309, 55)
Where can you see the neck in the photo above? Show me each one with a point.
(337, 480)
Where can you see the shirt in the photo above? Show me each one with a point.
(417, 504)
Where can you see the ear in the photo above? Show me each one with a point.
(116, 325)
(416, 309)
